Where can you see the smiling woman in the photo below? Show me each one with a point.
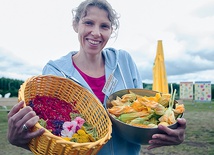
(94, 22)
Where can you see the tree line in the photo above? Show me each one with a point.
(8, 85)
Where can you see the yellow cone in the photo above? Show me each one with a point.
(160, 82)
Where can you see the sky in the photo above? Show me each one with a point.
(32, 32)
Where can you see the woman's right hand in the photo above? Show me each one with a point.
(17, 118)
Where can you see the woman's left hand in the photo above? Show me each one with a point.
(172, 136)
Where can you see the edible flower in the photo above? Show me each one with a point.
(69, 128)
(169, 116)
(179, 109)
(80, 121)
(146, 111)
(80, 137)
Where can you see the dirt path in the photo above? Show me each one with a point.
(8, 101)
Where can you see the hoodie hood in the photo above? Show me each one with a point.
(111, 57)
(65, 63)
(117, 63)
(64, 66)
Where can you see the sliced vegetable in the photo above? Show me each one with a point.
(140, 120)
(129, 97)
(131, 116)
(118, 110)
(169, 116)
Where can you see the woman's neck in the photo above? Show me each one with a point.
(93, 66)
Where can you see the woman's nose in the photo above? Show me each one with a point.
(96, 32)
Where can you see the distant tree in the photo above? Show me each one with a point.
(212, 91)
(8, 85)
(147, 86)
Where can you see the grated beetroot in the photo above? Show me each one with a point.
(54, 111)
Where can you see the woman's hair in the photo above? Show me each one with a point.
(81, 11)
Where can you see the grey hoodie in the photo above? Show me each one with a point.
(121, 65)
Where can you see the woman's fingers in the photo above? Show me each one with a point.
(15, 109)
(30, 122)
(182, 123)
(16, 120)
(36, 133)
(29, 119)
(20, 120)
(171, 136)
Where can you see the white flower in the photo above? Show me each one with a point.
(69, 128)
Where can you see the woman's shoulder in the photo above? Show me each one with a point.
(114, 56)
(63, 58)
(116, 52)
(63, 63)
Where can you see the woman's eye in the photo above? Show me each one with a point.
(105, 26)
(88, 23)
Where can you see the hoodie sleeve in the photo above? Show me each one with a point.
(129, 67)
(136, 75)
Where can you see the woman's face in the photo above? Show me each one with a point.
(94, 30)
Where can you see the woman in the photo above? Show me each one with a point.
(91, 66)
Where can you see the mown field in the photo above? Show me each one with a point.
(199, 134)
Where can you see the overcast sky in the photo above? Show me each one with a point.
(34, 31)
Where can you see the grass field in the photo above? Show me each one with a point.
(199, 134)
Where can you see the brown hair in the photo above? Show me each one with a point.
(81, 11)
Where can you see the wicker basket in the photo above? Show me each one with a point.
(87, 104)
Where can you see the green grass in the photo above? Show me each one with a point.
(199, 134)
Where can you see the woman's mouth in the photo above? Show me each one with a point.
(93, 42)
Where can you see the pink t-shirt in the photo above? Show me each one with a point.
(96, 84)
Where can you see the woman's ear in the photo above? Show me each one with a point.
(75, 26)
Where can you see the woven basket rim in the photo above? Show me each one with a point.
(58, 138)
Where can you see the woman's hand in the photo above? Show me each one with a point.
(17, 118)
(172, 136)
